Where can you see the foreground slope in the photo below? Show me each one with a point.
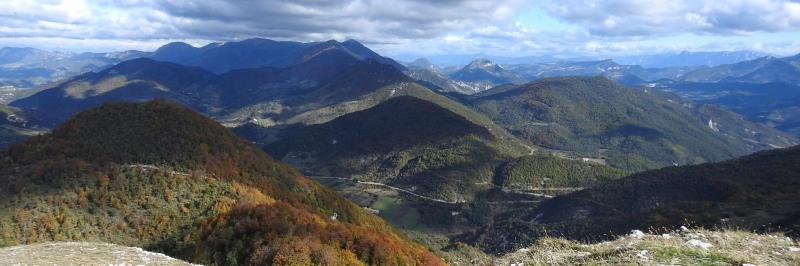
(683, 247)
(629, 128)
(159, 176)
(756, 192)
(82, 253)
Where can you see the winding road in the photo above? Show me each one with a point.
(440, 200)
(409, 192)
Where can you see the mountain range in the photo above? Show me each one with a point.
(488, 154)
(659, 60)
(297, 93)
(425, 72)
(590, 118)
(690, 59)
(28, 67)
(764, 89)
(630, 129)
(483, 74)
(251, 53)
(761, 70)
(774, 104)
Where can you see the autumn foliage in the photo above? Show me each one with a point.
(160, 176)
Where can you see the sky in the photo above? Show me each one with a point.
(412, 28)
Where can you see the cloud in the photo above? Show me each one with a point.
(615, 18)
(370, 20)
(566, 27)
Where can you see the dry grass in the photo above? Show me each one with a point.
(82, 253)
(684, 247)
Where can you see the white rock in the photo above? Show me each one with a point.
(642, 254)
(694, 236)
(698, 243)
(793, 249)
(638, 234)
(583, 254)
(684, 229)
(748, 264)
(666, 236)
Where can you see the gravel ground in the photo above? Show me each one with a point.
(82, 253)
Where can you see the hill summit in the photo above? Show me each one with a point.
(160, 176)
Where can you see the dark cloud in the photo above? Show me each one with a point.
(221, 20)
(393, 26)
(363, 19)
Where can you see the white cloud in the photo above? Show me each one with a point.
(372, 21)
(646, 17)
(402, 27)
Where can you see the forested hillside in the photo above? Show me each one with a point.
(160, 176)
(630, 128)
(405, 141)
(545, 171)
(755, 192)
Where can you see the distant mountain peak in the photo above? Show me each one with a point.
(175, 45)
(423, 63)
(485, 70)
(483, 63)
(486, 65)
(352, 41)
(421, 60)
